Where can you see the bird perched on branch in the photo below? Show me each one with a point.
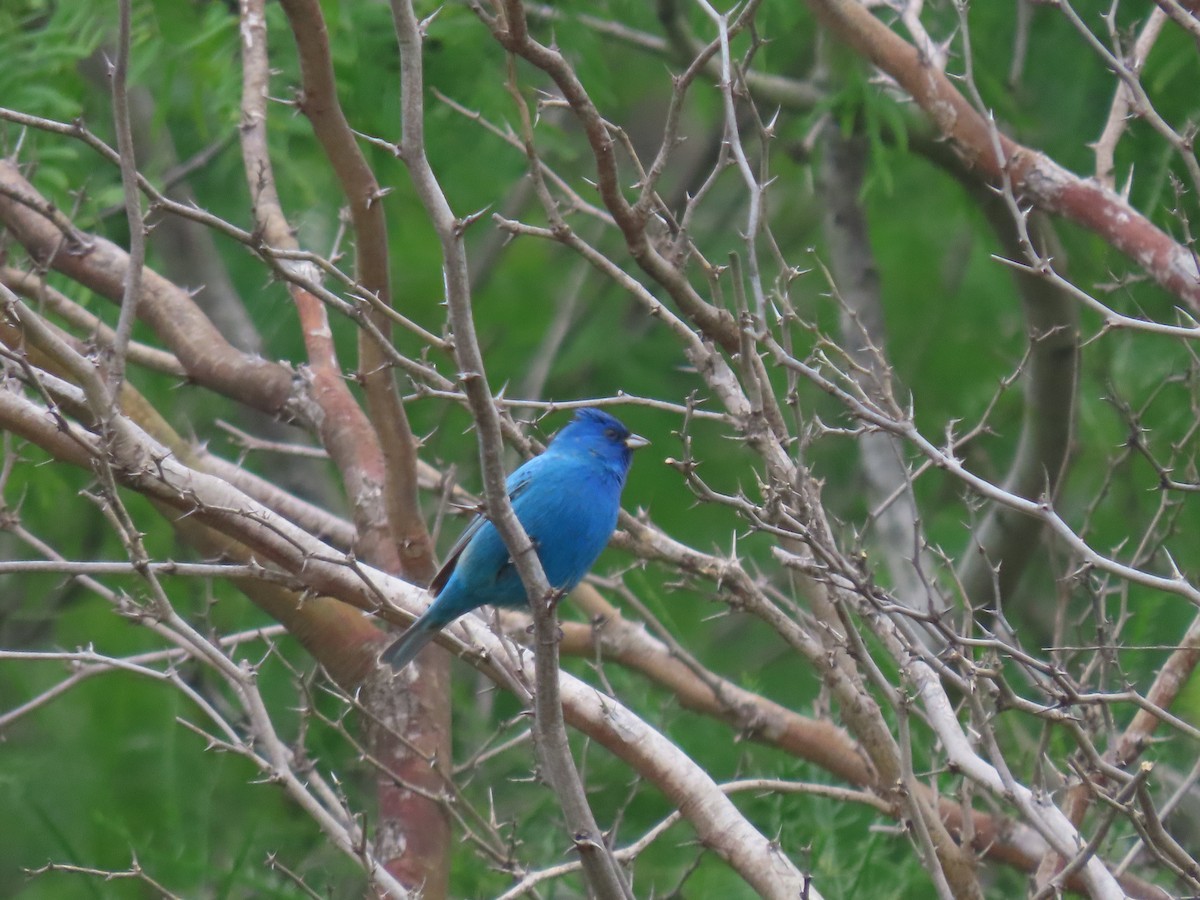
(567, 501)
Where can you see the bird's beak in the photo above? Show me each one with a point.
(636, 442)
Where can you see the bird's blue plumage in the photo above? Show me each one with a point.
(567, 501)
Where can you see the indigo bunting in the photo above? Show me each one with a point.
(567, 501)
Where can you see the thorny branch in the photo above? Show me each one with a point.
(913, 669)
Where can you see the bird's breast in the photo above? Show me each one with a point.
(570, 516)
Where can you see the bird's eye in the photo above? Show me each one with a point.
(611, 434)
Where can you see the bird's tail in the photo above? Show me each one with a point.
(405, 650)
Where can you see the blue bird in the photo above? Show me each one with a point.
(567, 501)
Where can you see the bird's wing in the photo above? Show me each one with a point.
(517, 483)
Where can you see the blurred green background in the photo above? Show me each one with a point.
(106, 774)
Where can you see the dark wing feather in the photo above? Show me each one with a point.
(517, 483)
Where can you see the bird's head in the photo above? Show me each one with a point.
(599, 434)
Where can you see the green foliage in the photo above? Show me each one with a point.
(107, 772)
